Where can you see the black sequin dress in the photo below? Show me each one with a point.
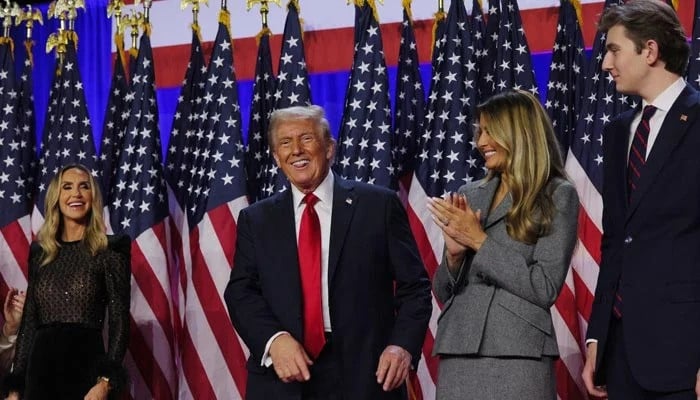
(60, 348)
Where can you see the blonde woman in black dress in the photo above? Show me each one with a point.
(78, 277)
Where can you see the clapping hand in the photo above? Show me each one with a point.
(460, 225)
(12, 311)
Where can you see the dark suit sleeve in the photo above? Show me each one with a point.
(412, 296)
(249, 311)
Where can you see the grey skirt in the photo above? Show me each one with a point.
(491, 378)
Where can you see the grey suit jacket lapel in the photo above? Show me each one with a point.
(483, 199)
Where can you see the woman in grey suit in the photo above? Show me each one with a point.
(508, 242)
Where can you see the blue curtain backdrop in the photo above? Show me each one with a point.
(94, 30)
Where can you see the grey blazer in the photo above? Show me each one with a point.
(498, 303)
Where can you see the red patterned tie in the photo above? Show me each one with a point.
(638, 151)
(310, 270)
(635, 166)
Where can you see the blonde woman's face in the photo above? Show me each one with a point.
(494, 154)
(75, 196)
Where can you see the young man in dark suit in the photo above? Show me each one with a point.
(643, 339)
(327, 289)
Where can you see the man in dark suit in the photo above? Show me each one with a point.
(350, 329)
(643, 339)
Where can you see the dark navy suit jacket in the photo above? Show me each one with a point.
(379, 292)
(653, 243)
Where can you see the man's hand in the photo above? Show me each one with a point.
(289, 359)
(697, 384)
(394, 364)
(589, 370)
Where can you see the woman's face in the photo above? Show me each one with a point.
(75, 196)
(494, 155)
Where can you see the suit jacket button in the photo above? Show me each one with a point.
(628, 240)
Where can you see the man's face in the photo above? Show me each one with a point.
(626, 66)
(303, 154)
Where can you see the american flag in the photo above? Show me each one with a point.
(292, 79)
(485, 51)
(67, 136)
(178, 175)
(213, 356)
(116, 117)
(513, 63)
(26, 123)
(138, 206)
(259, 161)
(565, 88)
(15, 234)
(566, 75)
(365, 137)
(479, 39)
(584, 166)
(409, 102)
(693, 75)
(444, 162)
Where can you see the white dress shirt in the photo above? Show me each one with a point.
(324, 209)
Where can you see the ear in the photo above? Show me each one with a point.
(330, 149)
(652, 49)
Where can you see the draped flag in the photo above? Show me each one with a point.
(409, 102)
(292, 79)
(179, 166)
(116, 117)
(479, 39)
(138, 206)
(67, 136)
(26, 124)
(365, 137)
(259, 161)
(693, 75)
(566, 75)
(213, 356)
(486, 85)
(444, 162)
(564, 91)
(15, 234)
(513, 63)
(584, 167)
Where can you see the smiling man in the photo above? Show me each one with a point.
(643, 339)
(327, 290)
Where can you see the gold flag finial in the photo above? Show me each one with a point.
(195, 8)
(8, 12)
(134, 21)
(31, 16)
(114, 10)
(264, 8)
(68, 10)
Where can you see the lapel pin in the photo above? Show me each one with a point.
(349, 201)
(684, 117)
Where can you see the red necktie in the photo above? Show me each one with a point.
(635, 165)
(638, 151)
(310, 271)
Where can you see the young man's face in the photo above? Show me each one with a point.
(626, 66)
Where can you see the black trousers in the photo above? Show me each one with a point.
(620, 382)
(325, 382)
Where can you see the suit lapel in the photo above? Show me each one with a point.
(283, 234)
(344, 204)
(482, 201)
(679, 118)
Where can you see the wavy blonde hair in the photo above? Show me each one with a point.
(94, 238)
(519, 124)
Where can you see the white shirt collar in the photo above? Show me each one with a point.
(665, 100)
(324, 191)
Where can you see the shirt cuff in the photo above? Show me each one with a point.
(589, 341)
(266, 360)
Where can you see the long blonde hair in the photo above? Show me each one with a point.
(519, 124)
(94, 238)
